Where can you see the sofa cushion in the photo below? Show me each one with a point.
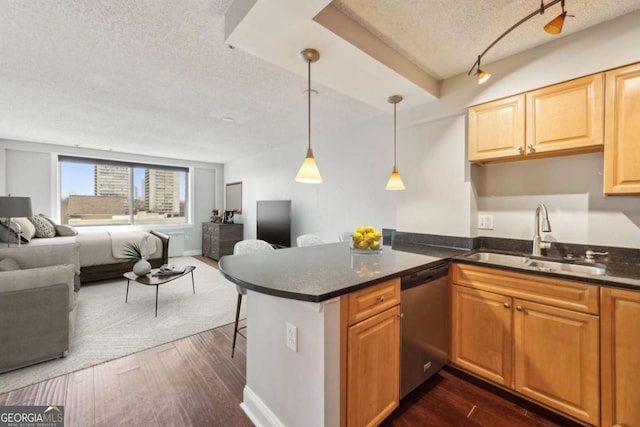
(66, 230)
(9, 264)
(43, 227)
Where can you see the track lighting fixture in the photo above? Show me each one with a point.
(553, 27)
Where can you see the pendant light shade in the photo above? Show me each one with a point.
(395, 181)
(555, 26)
(483, 76)
(309, 172)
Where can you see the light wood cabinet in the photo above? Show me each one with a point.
(536, 335)
(481, 341)
(496, 129)
(370, 354)
(566, 118)
(620, 357)
(622, 131)
(556, 358)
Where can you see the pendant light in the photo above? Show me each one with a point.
(555, 26)
(395, 182)
(308, 172)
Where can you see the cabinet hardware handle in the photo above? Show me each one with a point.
(531, 149)
(401, 315)
(506, 305)
(519, 308)
(521, 149)
(381, 298)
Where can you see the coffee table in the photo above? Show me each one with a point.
(151, 280)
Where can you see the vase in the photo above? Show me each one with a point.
(142, 267)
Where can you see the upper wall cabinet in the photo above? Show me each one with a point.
(622, 134)
(496, 129)
(565, 118)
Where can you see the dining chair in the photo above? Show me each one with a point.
(308, 240)
(245, 247)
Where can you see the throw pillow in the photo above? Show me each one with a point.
(43, 227)
(48, 218)
(66, 230)
(9, 264)
(27, 228)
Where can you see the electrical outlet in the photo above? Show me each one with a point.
(292, 337)
(485, 222)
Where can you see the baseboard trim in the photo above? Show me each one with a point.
(257, 411)
(192, 252)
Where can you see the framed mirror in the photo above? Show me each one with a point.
(233, 200)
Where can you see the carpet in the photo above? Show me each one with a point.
(107, 328)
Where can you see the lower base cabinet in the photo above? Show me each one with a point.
(535, 335)
(370, 354)
(620, 343)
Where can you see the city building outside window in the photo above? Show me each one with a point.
(103, 192)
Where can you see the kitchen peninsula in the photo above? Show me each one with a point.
(297, 291)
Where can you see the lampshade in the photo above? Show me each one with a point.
(395, 181)
(15, 207)
(309, 172)
(555, 26)
(483, 76)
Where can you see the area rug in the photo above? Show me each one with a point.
(107, 328)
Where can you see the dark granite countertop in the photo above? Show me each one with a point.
(619, 275)
(319, 273)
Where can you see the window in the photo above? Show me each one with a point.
(103, 192)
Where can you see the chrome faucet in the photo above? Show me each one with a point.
(538, 243)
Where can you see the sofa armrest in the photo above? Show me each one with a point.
(35, 314)
(165, 245)
(38, 278)
(30, 257)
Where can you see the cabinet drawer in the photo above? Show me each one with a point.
(560, 293)
(372, 300)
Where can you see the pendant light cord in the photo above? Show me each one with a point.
(309, 101)
(394, 135)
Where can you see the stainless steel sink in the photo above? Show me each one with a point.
(526, 262)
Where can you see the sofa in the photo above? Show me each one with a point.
(38, 303)
(100, 251)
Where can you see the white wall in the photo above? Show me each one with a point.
(444, 192)
(355, 164)
(30, 169)
(570, 186)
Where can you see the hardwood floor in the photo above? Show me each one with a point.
(195, 382)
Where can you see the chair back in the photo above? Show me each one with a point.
(345, 236)
(250, 246)
(308, 240)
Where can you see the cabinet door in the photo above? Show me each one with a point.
(373, 364)
(556, 355)
(566, 116)
(620, 357)
(496, 130)
(481, 328)
(622, 131)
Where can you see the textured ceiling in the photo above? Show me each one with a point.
(444, 37)
(157, 77)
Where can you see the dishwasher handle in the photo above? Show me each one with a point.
(424, 276)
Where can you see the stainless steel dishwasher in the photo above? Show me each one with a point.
(425, 325)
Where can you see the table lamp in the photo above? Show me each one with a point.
(15, 207)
